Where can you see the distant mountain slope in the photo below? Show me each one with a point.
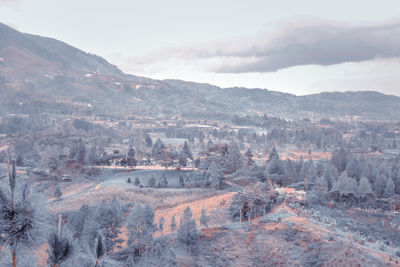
(19, 49)
(40, 74)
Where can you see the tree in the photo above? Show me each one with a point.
(173, 224)
(131, 161)
(197, 162)
(330, 176)
(141, 228)
(108, 218)
(379, 184)
(273, 155)
(99, 249)
(137, 181)
(57, 193)
(53, 165)
(159, 150)
(19, 161)
(20, 218)
(182, 160)
(148, 141)
(181, 183)
(59, 249)
(321, 183)
(152, 182)
(164, 182)
(187, 232)
(233, 159)
(345, 184)
(214, 175)
(364, 187)
(389, 188)
(161, 225)
(339, 159)
(187, 151)
(249, 156)
(81, 153)
(129, 180)
(92, 155)
(131, 153)
(204, 217)
(274, 166)
(353, 168)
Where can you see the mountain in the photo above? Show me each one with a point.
(40, 74)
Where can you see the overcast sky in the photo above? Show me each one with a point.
(299, 47)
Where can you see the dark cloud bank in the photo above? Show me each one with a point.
(320, 45)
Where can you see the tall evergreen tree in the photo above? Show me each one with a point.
(187, 151)
(214, 175)
(204, 217)
(389, 188)
(233, 159)
(273, 155)
(187, 232)
(364, 187)
(161, 225)
(173, 224)
(141, 228)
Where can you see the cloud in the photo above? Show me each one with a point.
(9, 2)
(317, 45)
(15, 4)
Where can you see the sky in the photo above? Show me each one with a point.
(299, 47)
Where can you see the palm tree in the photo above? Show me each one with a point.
(18, 219)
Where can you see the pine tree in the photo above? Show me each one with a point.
(131, 161)
(187, 151)
(152, 182)
(364, 187)
(92, 155)
(330, 176)
(204, 217)
(181, 182)
(80, 157)
(321, 184)
(214, 175)
(131, 153)
(161, 225)
(164, 182)
(233, 159)
(109, 217)
(173, 224)
(273, 154)
(187, 232)
(99, 250)
(57, 193)
(345, 184)
(389, 188)
(379, 185)
(339, 159)
(148, 141)
(159, 150)
(137, 181)
(249, 157)
(141, 228)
